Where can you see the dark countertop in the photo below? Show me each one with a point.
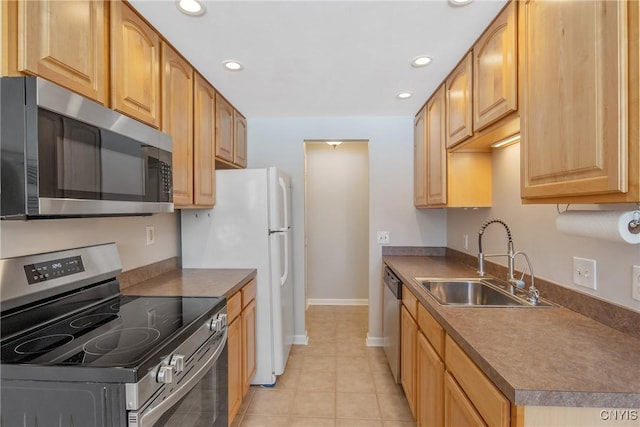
(535, 356)
(193, 282)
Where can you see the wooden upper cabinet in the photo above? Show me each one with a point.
(224, 129)
(419, 161)
(240, 139)
(458, 102)
(577, 94)
(135, 67)
(436, 150)
(177, 121)
(204, 140)
(65, 42)
(495, 71)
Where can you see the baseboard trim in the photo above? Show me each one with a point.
(301, 339)
(375, 341)
(330, 301)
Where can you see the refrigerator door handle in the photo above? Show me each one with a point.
(285, 275)
(285, 200)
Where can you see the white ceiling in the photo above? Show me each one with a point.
(323, 58)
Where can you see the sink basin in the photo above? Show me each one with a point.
(473, 293)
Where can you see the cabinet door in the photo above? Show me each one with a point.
(135, 49)
(249, 344)
(234, 353)
(204, 140)
(177, 121)
(419, 160)
(495, 73)
(408, 336)
(65, 42)
(574, 98)
(224, 129)
(436, 150)
(429, 388)
(458, 410)
(459, 104)
(240, 140)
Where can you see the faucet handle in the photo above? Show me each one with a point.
(517, 283)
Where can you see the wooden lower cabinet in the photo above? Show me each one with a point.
(429, 390)
(408, 338)
(241, 344)
(458, 409)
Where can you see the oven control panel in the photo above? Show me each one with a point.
(49, 270)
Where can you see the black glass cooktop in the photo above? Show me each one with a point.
(122, 332)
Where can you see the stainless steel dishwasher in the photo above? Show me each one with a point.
(391, 320)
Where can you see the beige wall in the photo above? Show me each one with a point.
(27, 237)
(337, 222)
(534, 232)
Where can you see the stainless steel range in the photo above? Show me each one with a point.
(74, 351)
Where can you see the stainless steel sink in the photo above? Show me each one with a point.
(475, 293)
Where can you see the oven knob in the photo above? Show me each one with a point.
(177, 362)
(219, 323)
(165, 374)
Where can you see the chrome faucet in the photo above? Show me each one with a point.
(510, 252)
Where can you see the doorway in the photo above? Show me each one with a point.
(337, 222)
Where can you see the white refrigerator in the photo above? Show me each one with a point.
(249, 227)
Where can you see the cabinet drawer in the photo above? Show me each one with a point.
(234, 306)
(410, 301)
(487, 399)
(249, 293)
(431, 329)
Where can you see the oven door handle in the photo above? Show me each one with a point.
(150, 417)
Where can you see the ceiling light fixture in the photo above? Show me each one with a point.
(403, 95)
(506, 142)
(460, 2)
(191, 7)
(232, 65)
(334, 144)
(420, 61)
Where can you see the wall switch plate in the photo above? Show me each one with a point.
(383, 237)
(151, 234)
(584, 272)
(635, 283)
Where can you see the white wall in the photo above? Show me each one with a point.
(337, 203)
(280, 142)
(534, 232)
(35, 236)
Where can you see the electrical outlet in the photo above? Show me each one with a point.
(465, 241)
(151, 234)
(383, 237)
(635, 283)
(584, 272)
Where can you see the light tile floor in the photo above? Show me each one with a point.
(335, 381)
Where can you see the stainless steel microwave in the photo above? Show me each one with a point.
(64, 155)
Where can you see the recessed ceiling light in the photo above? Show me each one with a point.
(460, 2)
(190, 7)
(232, 65)
(403, 95)
(420, 61)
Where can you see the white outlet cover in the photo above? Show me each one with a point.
(151, 234)
(584, 272)
(382, 236)
(635, 283)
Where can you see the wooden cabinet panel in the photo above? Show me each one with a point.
(248, 345)
(436, 150)
(574, 105)
(240, 140)
(249, 292)
(135, 82)
(431, 329)
(224, 129)
(204, 140)
(410, 302)
(65, 42)
(429, 387)
(458, 410)
(488, 400)
(408, 337)
(234, 306)
(234, 353)
(458, 102)
(495, 72)
(177, 121)
(419, 160)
